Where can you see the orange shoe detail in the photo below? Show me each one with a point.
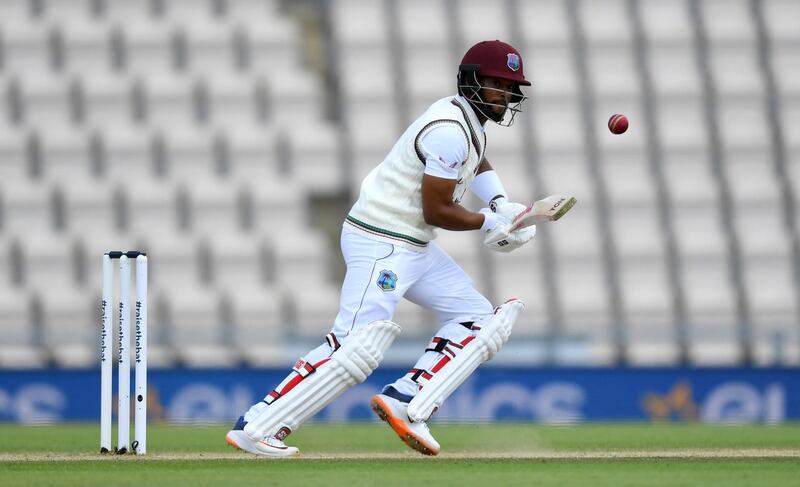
(385, 413)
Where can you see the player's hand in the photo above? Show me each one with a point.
(495, 228)
(507, 209)
(501, 240)
(499, 237)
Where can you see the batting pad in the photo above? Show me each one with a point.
(488, 341)
(351, 364)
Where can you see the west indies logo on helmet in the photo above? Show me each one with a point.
(492, 59)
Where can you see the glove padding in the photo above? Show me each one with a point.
(500, 239)
(507, 209)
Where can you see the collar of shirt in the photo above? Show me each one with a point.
(470, 112)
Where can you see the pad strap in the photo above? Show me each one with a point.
(449, 373)
(333, 342)
(315, 386)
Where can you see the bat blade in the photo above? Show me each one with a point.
(548, 209)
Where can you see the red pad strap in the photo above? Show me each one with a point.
(441, 363)
(275, 395)
(420, 376)
(304, 368)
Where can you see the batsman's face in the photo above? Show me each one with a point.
(497, 93)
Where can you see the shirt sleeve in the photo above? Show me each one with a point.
(445, 150)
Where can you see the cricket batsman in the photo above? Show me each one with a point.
(388, 246)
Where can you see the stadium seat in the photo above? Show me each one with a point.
(149, 208)
(556, 122)
(636, 230)
(197, 334)
(430, 74)
(752, 177)
(412, 319)
(613, 71)
(20, 347)
(466, 248)
(315, 158)
(14, 164)
(65, 154)
(190, 155)
(312, 313)
(85, 41)
(127, 152)
(673, 71)
(25, 46)
(213, 205)
(648, 304)
(691, 132)
(205, 133)
(585, 309)
(698, 230)
(27, 208)
(605, 21)
(519, 274)
(727, 21)
(46, 101)
(735, 70)
(294, 96)
(421, 23)
(209, 46)
(666, 22)
(301, 260)
(258, 325)
(551, 70)
(371, 19)
(70, 324)
(171, 101)
(108, 100)
(628, 175)
(253, 154)
(88, 206)
(147, 45)
(778, 15)
(708, 288)
(240, 262)
(577, 234)
(232, 101)
(479, 21)
(566, 171)
(545, 24)
(688, 176)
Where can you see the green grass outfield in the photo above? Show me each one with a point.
(369, 454)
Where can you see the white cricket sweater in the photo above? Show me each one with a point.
(389, 207)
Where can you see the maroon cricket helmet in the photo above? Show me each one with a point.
(496, 59)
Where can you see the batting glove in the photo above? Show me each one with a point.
(507, 209)
(498, 236)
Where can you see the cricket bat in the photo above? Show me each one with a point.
(547, 209)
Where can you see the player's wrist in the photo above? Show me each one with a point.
(498, 201)
(488, 187)
(490, 219)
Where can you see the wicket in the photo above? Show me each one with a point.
(139, 445)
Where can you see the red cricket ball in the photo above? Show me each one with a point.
(618, 123)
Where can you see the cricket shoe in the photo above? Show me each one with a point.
(393, 411)
(268, 447)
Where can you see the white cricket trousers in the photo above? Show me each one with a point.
(378, 276)
(430, 279)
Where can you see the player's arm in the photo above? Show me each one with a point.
(445, 147)
(441, 211)
(487, 186)
(484, 166)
